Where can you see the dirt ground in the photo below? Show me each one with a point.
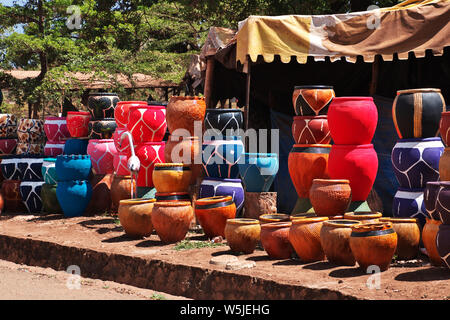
(416, 279)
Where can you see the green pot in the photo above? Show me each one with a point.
(50, 203)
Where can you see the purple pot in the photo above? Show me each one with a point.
(443, 243)
(443, 202)
(409, 203)
(429, 198)
(211, 187)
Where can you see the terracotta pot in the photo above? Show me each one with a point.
(408, 236)
(102, 128)
(120, 163)
(121, 188)
(101, 201)
(102, 155)
(30, 192)
(220, 157)
(7, 146)
(409, 203)
(357, 163)
(56, 128)
(147, 123)
(24, 148)
(149, 153)
(31, 131)
(330, 197)
(54, 148)
(443, 202)
(335, 241)
(182, 112)
(312, 100)
(311, 130)
(172, 196)
(212, 214)
(444, 165)
(304, 236)
(308, 162)
(10, 191)
(429, 198)
(8, 126)
(172, 219)
(302, 215)
(258, 171)
(135, 216)
(224, 122)
(242, 234)
(417, 112)
(171, 177)
(429, 234)
(273, 217)
(275, 240)
(122, 111)
(373, 244)
(50, 202)
(102, 104)
(78, 123)
(211, 187)
(443, 244)
(444, 127)
(363, 217)
(187, 150)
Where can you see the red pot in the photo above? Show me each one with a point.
(10, 191)
(54, 148)
(7, 146)
(124, 148)
(102, 155)
(120, 164)
(352, 120)
(147, 123)
(78, 123)
(121, 112)
(444, 127)
(311, 130)
(357, 163)
(149, 153)
(56, 128)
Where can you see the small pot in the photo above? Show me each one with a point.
(121, 189)
(55, 128)
(302, 215)
(429, 234)
(172, 219)
(258, 171)
(363, 216)
(212, 214)
(211, 187)
(275, 240)
(172, 196)
(443, 244)
(76, 146)
(30, 192)
(408, 236)
(429, 198)
(135, 216)
(102, 104)
(50, 202)
(31, 131)
(54, 148)
(312, 100)
(102, 128)
(73, 167)
(26, 149)
(7, 146)
(8, 125)
(311, 130)
(330, 197)
(443, 202)
(242, 234)
(74, 197)
(48, 171)
(78, 123)
(102, 155)
(171, 177)
(273, 217)
(304, 236)
(444, 165)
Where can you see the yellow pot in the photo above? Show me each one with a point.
(171, 177)
(242, 234)
(135, 216)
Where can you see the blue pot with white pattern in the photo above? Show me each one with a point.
(49, 171)
(224, 121)
(30, 191)
(258, 170)
(10, 168)
(211, 187)
(410, 203)
(31, 167)
(220, 157)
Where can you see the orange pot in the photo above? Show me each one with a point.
(242, 234)
(275, 239)
(171, 177)
(273, 217)
(408, 236)
(212, 214)
(304, 236)
(429, 233)
(302, 215)
(135, 216)
(182, 112)
(121, 187)
(101, 201)
(171, 220)
(444, 165)
(172, 196)
(330, 197)
(363, 216)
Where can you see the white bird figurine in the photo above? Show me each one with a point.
(133, 163)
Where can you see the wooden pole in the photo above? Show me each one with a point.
(209, 78)
(375, 71)
(247, 92)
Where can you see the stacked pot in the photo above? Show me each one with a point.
(56, 130)
(10, 189)
(32, 181)
(31, 137)
(8, 134)
(50, 203)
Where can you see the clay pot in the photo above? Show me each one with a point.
(444, 165)
(311, 130)
(31, 168)
(212, 214)
(78, 123)
(409, 203)
(100, 201)
(122, 187)
(147, 123)
(429, 234)
(308, 162)
(172, 219)
(312, 100)
(443, 202)
(101, 104)
(55, 128)
(443, 244)
(408, 236)
(121, 112)
(273, 217)
(275, 240)
(416, 161)
(171, 177)
(102, 128)
(135, 216)
(211, 187)
(429, 198)
(444, 127)
(74, 197)
(12, 198)
(48, 171)
(335, 241)
(357, 163)
(102, 155)
(50, 202)
(242, 234)
(30, 192)
(172, 196)
(352, 120)
(224, 122)
(363, 217)
(76, 146)
(54, 148)
(221, 157)
(330, 197)
(31, 131)
(187, 150)
(25, 149)
(73, 167)
(149, 153)
(8, 126)
(258, 170)
(302, 215)
(417, 112)
(10, 168)
(183, 112)
(304, 236)
(7, 146)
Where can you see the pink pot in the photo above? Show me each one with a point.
(56, 128)
(149, 153)
(121, 112)
(120, 164)
(125, 147)
(147, 123)
(54, 148)
(102, 155)
(78, 123)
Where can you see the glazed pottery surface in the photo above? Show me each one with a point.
(30, 191)
(78, 123)
(444, 127)
(55, 128)
(135, 216)
(187, 150)
(443, 202)
(408, 203)
(273, 217)
(50, 202)
(54, 148)
(171, 177)
(443, 244)
(8, 125)
(122, 187)
(363, 217)
(275, 240)
(444, 165)
(101, 105)
(312, 100)
(7, 146)
(120, 163)
(172, 219)
(24, 148)
(100, 202)
(12, 198)
(102, 155)
(242, 234)
(10, 168)
(258, 170)
(304, 235)
(149, 154)
(183, 112)
(147, 123)
(172, 196)
(221, 157)
(121, 112)
(311, 130)
(408, 237)
(102, 128)
(123, 147)
(31, 131)
(31, 168)
(76, 146)
(429, 234)
(48, 171)
(224, 122)
(330, 197)
(429, 198)
(211, 187)
(74, 197)
(73, 167)
(212, 214)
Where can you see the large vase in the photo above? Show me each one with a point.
(102, 155)
(7, 146)
(408, 203)
(443, 202)
(101, 104)
(312, 100)
(56, 128)
(149, 153)
(147, 123)
(212, 214)
(211, 187)
(429, 198)
(74, 197)
(31, 131)
(102, 128)
(76, 146)
(224, 122)
(258, 170)
(187, 150)
(30, 191)
(73, 167)
(444, 127)
(220, 157)
(183, 112)
(121, 112)
(8, 125)
(78, 123)
(171, 220)
(31, 168)
(444, 165)
(54, 148)
(311, 130)
(443, 244)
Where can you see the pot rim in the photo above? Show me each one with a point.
(341, 223)
(212, 200)
(173, 204)
(418, 90)
(314, 86)
(172, 166)
(243, 221)
(222, 110)
(319, 117)
(276, 225)
(273, 216)
(260, 155)
(399, 219)
(367, 227)
(79, 113)
(332, 181)
(132, 102)
(309, 220)
(353, 146)
(363, 215)
(352, 98)
(101, 140)
(146, 106)
(418, 140)
(444, 183)
(222, 179)
(187, 98)
(136, 201)
(302, 215)
(171, 193)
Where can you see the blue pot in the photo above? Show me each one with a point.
(73, 167)
(220, 157)
(30, 191)
(76, 146)
(74, 196)
(211, 187)
(409, 203)
(258, 170)
(49, 171)
(10, 168)
(31, 168)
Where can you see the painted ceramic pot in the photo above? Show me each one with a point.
(352, 120)
(416, 161)
(50, 202)
(304, 236)
(443, 202)
(122, 187)
(444, 165)
(443, 244)
(121, 112)
(102, 155)
(211, 187)
(74, 197)
(183, 112)
(147, 123)
(31, 131)
(135, 216)
(311, 130)
(122, 147)
(7, 146)
(55, 128)
(242, 234)
(220, 157)
(408, 236)
(363, 217)
(417, 113)
(120, 163)
(100, 201)
(258, 170)
(224, 122)
(8, 125)
(444, 127)
(24, 148)
(73, 167)
(149, 154)
(357, 163)
(330, 197)
(275, 239)
(76, 146)
(408, 203)
(101, 104)
(335, 241)
(171, 177)
(429, 199)
(312, 100)
(274, 217)
(10, 168)
(48, 170)
(12, 198)
(102, 129)
(307, 162)
(31, 168)
(172, 196)
(212, 214)
(373, 244)
(187, 150)
(54, 148)
(30, 191)
(429, 234)
(172, 219)
(78, 123)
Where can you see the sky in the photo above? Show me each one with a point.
(18, 28)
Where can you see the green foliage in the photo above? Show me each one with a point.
(191, 244)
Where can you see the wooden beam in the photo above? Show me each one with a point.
(209, 78)
(247, 92)
(375, 72)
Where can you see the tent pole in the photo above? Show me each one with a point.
(375, 71)
(209, 78)
(247, 98)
